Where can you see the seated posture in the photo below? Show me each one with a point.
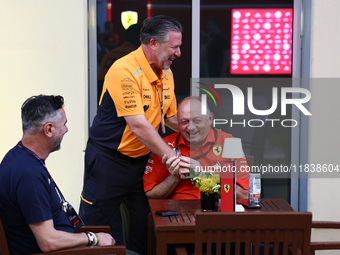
(200, 146)
(30, 208)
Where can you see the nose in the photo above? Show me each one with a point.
(178, 52)
(191, 126)
(66, 129)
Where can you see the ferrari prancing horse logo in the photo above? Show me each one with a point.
(217, 149)
(226, 188)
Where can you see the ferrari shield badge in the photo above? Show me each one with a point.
(226, 188)
(217, 149)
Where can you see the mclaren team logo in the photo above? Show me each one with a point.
(217, 149)
(226, 188)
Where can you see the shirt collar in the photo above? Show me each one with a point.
(145, 66)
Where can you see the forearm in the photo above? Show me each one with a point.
(241, 193)
(63, 240)
(148, 135)
(50, 239)
(163, 189)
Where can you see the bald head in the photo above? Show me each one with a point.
(193, 126)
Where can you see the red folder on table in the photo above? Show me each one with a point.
(228, 186)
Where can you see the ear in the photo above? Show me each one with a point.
(211, 117)
(48, 129)
(153, 43)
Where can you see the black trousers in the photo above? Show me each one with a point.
(108, 180)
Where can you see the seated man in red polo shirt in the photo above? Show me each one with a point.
(200, 145)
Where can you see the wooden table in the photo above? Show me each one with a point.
(181, 228)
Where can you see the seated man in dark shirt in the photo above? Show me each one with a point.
(30, 208)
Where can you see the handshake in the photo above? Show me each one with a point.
(179, 165)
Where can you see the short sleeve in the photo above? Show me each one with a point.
(33, 196)
(155, 172)
(172, 110)
(124, 91)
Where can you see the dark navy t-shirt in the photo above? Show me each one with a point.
(27, 195)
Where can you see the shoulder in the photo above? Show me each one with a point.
(127, 62)
(223, 134)
(21, 165)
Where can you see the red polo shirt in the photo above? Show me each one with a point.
(156, 171)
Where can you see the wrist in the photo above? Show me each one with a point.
(175, 177)
(93, 239)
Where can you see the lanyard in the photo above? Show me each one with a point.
(205, 153)
(60, 195)
(161, 103)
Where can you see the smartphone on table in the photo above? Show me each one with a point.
(166, 213)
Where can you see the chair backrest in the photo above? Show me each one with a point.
(3, 241)
(280, 231)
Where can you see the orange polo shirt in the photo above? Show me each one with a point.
(156, 172)
(131, 88)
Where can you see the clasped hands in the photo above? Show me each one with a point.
(179, 166)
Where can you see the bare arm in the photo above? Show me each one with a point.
(172, 122)
(148, 135)
(240, 192)
(50, 239)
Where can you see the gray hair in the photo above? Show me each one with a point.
(36, 111)
(158, 28)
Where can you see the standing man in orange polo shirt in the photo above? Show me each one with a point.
(138, 95)
(200, 145)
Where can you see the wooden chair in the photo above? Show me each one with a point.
(285, 232)
(86, 250)
(315, 246)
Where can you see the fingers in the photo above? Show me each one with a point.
(184, 172)
(172, 164)
(164, 159)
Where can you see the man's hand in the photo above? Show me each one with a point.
(172, 164)
(187, 163)
(105, 239)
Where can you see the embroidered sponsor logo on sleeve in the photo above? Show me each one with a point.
(148, 169)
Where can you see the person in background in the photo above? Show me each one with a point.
(200, 145)
(109, 39)
(30, 208)
(138, 95)
(218, 50)
(131, 43)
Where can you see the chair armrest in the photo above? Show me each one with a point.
(94, 229)
(325, 245)
(317, 246)
(326, 224)
(89, 250)
(181, 251)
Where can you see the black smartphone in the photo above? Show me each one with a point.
(245, 203)
(166, 213)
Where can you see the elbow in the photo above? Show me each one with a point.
(153, 195)
(150, 195)
(47, 246)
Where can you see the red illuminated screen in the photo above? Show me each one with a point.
(261, 41)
